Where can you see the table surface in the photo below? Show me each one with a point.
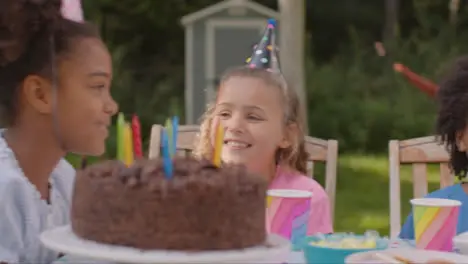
(296, 257)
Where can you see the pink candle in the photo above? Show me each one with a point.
(136, 132)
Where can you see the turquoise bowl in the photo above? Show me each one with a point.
(319, 254)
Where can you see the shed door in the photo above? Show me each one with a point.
(232, 43)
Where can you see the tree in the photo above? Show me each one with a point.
(391, 21)
(454, 5)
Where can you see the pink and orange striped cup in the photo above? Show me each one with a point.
(435, 223)
(287, 213)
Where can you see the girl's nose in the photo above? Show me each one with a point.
(111, 107)
(235, 124)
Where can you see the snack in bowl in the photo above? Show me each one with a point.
(348, 241)
(334, 248)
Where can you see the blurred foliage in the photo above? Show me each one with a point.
(354, 95)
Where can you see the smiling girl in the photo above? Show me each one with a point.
(264, 128)
(55, 77)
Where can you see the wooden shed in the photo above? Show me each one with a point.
(217, 38)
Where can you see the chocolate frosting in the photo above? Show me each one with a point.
(202, 207)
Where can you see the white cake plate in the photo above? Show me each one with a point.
(63, 240)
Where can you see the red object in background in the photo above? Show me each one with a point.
(420, 82)
(136, 133)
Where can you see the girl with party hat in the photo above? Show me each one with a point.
(264, 127)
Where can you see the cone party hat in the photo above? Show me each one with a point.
(265, 54)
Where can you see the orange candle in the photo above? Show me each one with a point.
(219, 137)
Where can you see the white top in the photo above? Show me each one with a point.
(24, 215)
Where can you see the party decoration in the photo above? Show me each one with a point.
(265, 54)
(136, 133)
(423, 84)
(435, 223)
(288, 213)
(420, 82)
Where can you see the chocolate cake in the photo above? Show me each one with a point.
(202, 207)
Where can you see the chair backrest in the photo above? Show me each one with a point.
(324, 151)
(186, 140)
(319, 150)
(418, 152)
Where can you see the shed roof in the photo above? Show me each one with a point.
(210, 10)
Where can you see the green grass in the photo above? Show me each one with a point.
(362, 194)
(75, 160)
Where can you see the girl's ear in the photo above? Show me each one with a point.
(289, 136)
(37, 92)
(462, 147)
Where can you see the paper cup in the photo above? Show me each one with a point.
(435, 223)
(288, 213)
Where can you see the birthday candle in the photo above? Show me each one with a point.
(175, 131)
(170, 136)
(128, 156)
(136, 133)
(219, 137)
(167, 161)
(120, 137)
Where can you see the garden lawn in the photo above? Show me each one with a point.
(362, 194)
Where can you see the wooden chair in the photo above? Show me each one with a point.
(186, 140)
(418, 152)
(325, 151)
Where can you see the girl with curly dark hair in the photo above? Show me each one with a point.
(55, 77)
(452, 130)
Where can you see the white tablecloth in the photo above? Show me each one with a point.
(295, 258)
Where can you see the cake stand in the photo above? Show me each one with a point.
(62, 239)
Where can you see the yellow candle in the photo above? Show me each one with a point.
(128, 145)
(219, 137)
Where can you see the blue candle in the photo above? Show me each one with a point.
(167, 161)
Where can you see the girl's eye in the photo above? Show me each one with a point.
(224, 114)
(98, 87)
(254, 117)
